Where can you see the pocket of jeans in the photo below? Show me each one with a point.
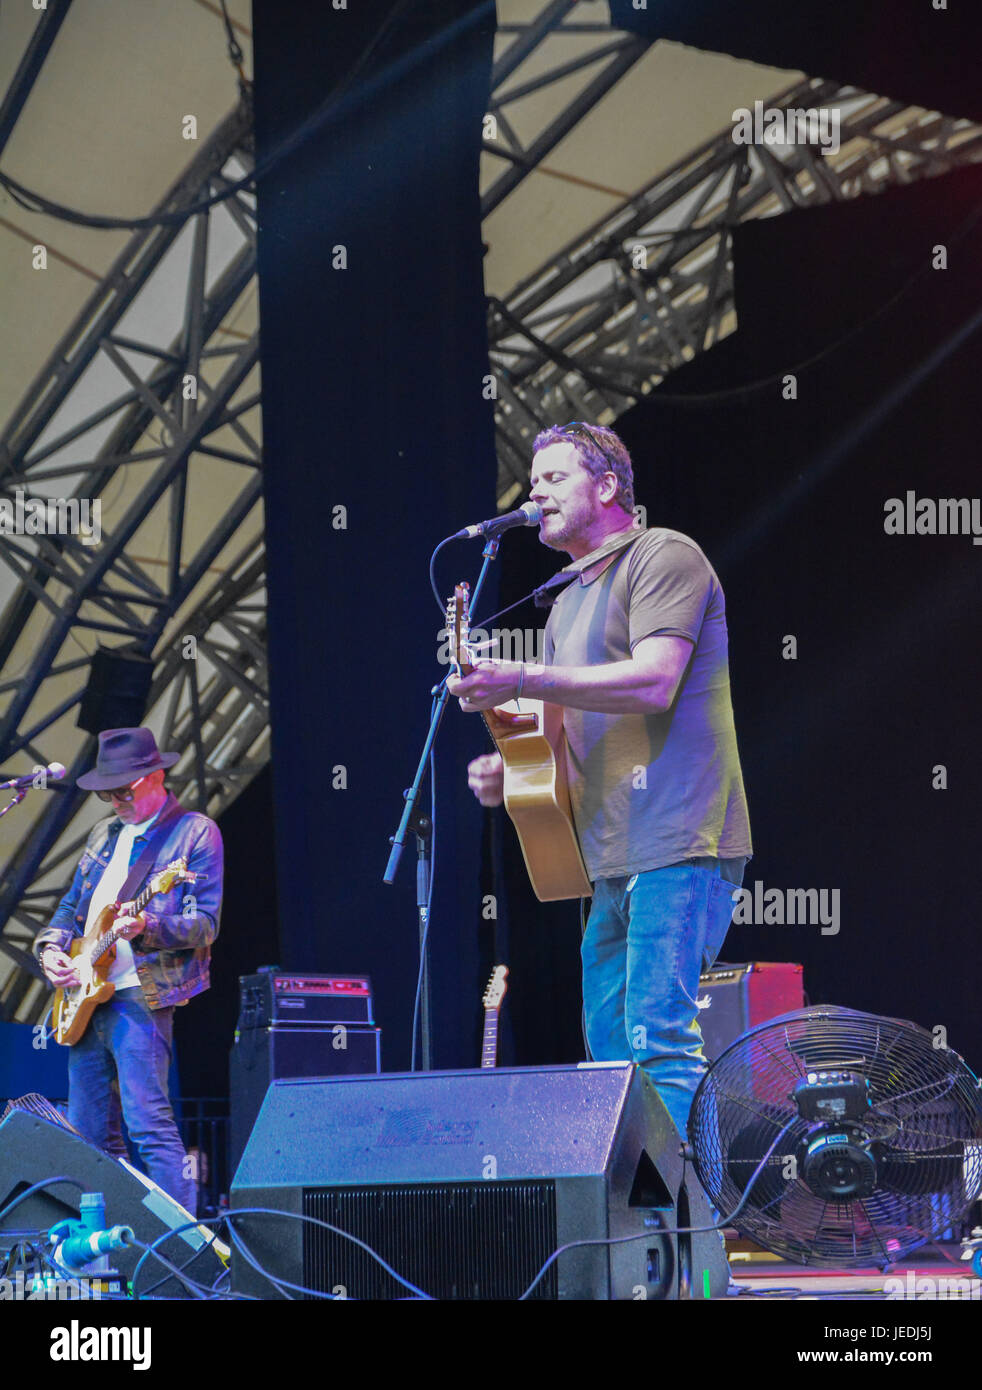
(721, 907)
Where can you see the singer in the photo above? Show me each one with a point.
(636, 654)
(121, 1062)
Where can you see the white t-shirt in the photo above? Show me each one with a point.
(122, 972)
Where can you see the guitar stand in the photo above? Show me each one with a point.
(413, 819)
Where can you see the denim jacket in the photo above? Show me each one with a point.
(171, 955)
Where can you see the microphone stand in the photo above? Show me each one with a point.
(412, 819)
(15, 800)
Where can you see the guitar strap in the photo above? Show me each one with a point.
(141, 869)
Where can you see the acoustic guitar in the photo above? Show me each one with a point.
(94, 953)
(529, 736)
(493, 995)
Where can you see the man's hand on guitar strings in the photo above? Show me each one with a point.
(59, 968)
(490, 683)
(129, 927)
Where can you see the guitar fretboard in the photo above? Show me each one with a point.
(114, 934)
(489, 1048)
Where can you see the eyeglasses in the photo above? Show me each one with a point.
(580, 427)
(122, 793)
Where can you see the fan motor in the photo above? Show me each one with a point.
(837, 1165)
(835, 1159)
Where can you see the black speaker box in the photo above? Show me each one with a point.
(466, 1183)
(262, 1055)
(117, 691)
(32, 1148)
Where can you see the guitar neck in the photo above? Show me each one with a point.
(489, 1047)
(114, 933)
(140, 903)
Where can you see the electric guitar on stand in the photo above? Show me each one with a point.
(93, 954)
(493, 996)
(529, 736)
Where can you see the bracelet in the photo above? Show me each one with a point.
(521, 681)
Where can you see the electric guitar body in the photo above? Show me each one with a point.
(73, 1007)
(94, 953)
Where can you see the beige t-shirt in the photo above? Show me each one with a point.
(649, 790)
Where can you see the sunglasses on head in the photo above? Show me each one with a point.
(122, 793)
(583, 429)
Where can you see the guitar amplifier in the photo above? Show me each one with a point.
(735, 998)
(273, 998)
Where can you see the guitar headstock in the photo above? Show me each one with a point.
(176, 872)
(459, 627)
(497, 988)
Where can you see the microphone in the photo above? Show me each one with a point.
(52, 773)
(528, 514)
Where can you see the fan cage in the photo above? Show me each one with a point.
(924, 1129)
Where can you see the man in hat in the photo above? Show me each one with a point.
(122, 1059)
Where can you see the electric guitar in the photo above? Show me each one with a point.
(94, 953)
(529, 736)
(493, 996)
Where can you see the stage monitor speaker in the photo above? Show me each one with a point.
(263, 1055)
(33, 1148)
(117, 691)
(466, 1182)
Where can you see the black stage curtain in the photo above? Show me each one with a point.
(787, 498)
(379, 441)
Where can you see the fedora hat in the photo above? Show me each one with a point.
(124, 756)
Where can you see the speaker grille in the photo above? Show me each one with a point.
(40, 1106)
(485, 1240)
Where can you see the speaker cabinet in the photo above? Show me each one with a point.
(32, 1148)
(263, 1055)
(117, 691)
(466, 1182)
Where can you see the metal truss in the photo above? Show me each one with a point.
(167, 409)
(651, 284)
(214, 708)
(603, 55)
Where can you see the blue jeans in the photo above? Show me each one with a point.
(128, 1040)
(647, 939)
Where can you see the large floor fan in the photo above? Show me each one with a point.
(866, 1134)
